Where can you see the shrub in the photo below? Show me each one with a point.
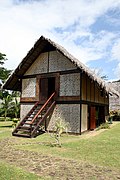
(15, 122)
(115, 114)
(104, 126)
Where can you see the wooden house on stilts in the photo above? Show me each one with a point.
(55, 84)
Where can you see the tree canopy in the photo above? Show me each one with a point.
(4, 73)
(9, 105)
(2, 58)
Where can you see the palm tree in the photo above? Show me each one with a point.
(6, 105)
(16, 107)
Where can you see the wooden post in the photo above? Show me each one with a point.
(80, 100)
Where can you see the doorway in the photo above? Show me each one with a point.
(47, 87)
(51, 86)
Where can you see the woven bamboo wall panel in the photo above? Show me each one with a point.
(70, 85)
(29, 87)
(39, 66)
(24, 109)
(58, 62)
(69, 113)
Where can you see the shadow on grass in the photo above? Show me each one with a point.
(7, 126)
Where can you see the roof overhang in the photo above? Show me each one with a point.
(14, 80)
(45, 45)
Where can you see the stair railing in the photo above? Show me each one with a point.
(49, 110)
(46, 103)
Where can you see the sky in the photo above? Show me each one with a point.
(88, 29)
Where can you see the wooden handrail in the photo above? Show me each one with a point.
(42, 108)
(45, 116)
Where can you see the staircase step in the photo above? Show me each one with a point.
(24, 127)
(28, 123)
(21, 135)
(24, 130)
(37, 108)
(31, 116)
(29, 119)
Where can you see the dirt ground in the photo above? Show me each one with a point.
(51, 167)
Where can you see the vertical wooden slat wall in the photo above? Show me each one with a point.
(84, 87)
(88, 89)
(92, 91)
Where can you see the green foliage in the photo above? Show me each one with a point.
(15, 106)
(4, 73)
(3, 94)
(15, 122)
(12, 107)
(6, 105)
(60, 127)
(104, 126)
(115, 114)
(15, 94)
(2, 58)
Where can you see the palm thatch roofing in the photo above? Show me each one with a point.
(44, 45)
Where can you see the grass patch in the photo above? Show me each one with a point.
(3, 119)
(5, 129)
(80, 157)
(101, 150)
(6, 124)
(8, 172)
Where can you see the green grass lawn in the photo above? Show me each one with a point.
(52, 162)
(5, 129)
(103, 149)
(8, 172)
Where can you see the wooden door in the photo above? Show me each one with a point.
(43, 90)
(92, 118)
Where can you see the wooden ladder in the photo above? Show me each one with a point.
(31, 124)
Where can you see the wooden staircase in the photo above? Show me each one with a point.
(30, 126)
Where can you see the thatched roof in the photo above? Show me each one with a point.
(43, 45)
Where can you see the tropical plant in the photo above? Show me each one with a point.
(3, 94)
(115, 114)
(104, 126)
(6, 105)
(16, 107)
(4, 73)
(60, 127)
(15, 94)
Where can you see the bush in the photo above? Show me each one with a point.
(115, 114)
(15, 122)
(104, 126)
